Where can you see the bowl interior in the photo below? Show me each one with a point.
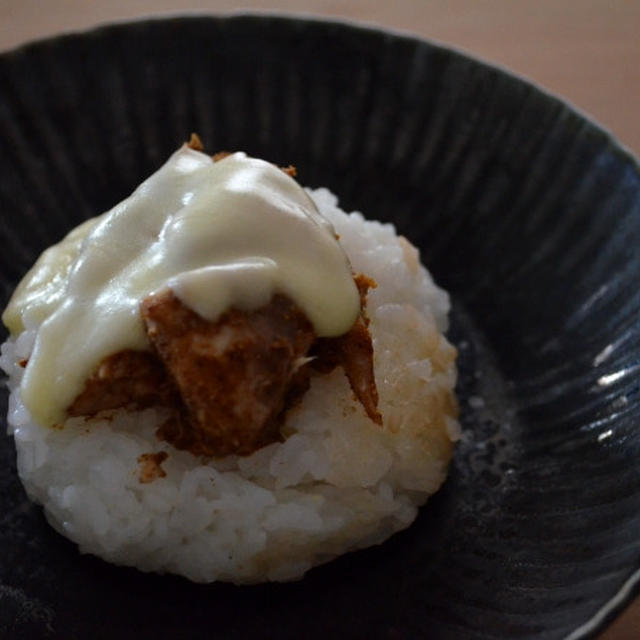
(526, 212)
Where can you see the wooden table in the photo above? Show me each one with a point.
(587, 51)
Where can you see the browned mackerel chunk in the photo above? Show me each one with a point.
(353, 351)
(228, 382)
(127, 379)
(151, 466)
(233, 374)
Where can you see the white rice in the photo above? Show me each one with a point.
(337, 483)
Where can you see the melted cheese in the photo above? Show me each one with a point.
(220, 235)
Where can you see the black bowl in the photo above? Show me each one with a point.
(526, 212)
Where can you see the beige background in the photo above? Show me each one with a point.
(587, 51)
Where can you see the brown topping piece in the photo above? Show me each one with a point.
(354, 352)
(150, 466)
(195, 143)
(290, 171)
(364, 283)
(221, 155)
(228, 382)
(233, 374)
(130, 379)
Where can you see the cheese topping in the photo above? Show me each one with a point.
(219, 234)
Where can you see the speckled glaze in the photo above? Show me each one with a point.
(526, 212)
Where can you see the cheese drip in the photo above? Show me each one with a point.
(219, 234)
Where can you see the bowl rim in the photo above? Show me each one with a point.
(345, 23)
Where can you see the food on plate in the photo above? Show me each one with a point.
(229, 378)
